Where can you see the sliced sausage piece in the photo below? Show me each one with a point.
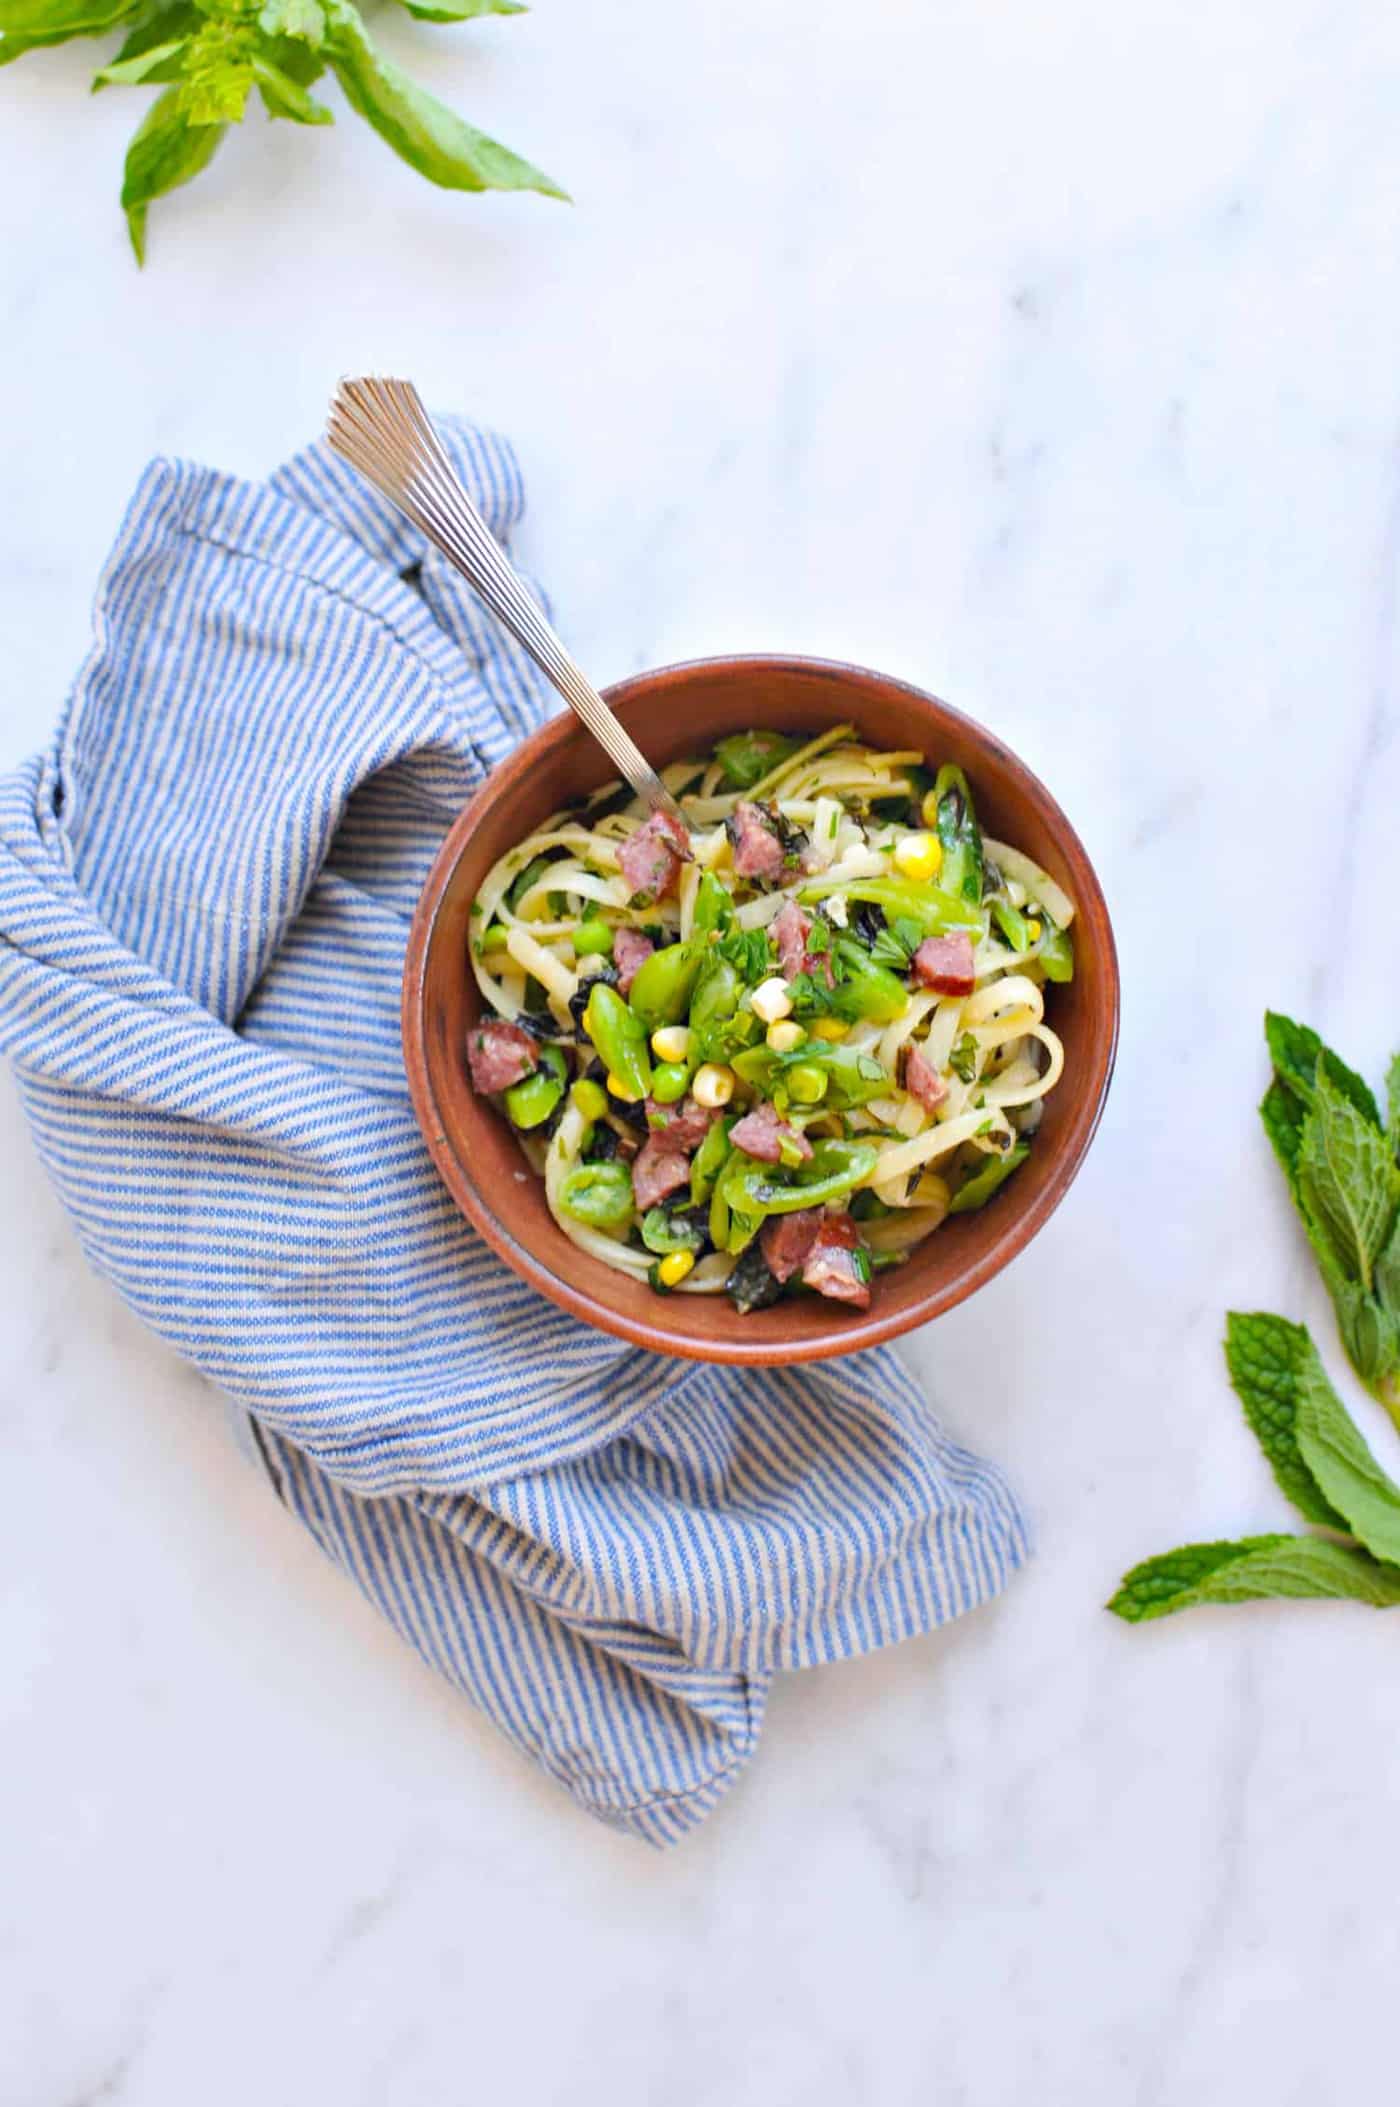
(761, 1133)
(681, 1127)
(789, 930)
(787, 1239)
(944, 963)
(658, 1171)
(651, 858)
(837, 1264)
(758, 851)
(499, 1054)
(922, 1080)
(631, 950)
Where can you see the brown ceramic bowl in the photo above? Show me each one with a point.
(683, 710)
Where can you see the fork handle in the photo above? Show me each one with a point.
(426, 488)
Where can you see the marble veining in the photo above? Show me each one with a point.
(1048, 359)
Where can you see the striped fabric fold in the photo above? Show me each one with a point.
(205, 887)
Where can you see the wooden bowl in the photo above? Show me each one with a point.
(681, 710)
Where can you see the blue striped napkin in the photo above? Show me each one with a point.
(205, 886)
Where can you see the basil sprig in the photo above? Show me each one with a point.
(1339, 1155)
(209, 56)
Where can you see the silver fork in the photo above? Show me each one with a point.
(382, 429)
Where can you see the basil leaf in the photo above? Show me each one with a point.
(461, 10)
(1267, 1357)
(419, 128)
(158, 62)
(1255, 1568)
(1297, 1052)
(1342, 1465)
(1347, 1181)
(284, 97)
(166, 150)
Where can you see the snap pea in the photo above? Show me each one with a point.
(593, 939)
(660, 991)
(988, 1178)
(670, 1080)
(747, 757)
(865, 990)
(852, 1078)
(599, 1194)
(834, 1169)
(936, 911)
(705, 1163)
(719, 1219)
(529, 1102)
(1012, 924)
(1057, 953)
(620, 1038)
(667, 1229)
(742, 1220)
(714, 905)
(716, 1029)
(959, 833)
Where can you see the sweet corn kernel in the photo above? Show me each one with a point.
(784, 1035)
(713, 1085)
(674, 1267)
(918, 856)
(829, 1028)
(671, 1042)
(928, 810)
(1035, 929)
(620, 1089)
(590, 1097)
(771, 1000)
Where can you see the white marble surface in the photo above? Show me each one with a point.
(1048, 357)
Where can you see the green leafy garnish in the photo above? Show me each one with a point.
(1340, 1163)
(210, 55)
(1251, 1570)
(963, 1059)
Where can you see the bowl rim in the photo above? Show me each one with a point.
(850, 1331)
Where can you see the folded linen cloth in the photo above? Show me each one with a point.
(205, 888)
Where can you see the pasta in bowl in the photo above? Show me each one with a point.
(712, 716)
(771, 1053)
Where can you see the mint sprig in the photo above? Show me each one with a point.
(209, 56)
(1340, 1161)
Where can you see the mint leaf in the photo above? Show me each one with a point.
(1348, 1183)
(166, 150)
(1387, 1275)
(158, 62)
(1392, 1099)
(1253, 1569)
(51, 21)
(284, 97)
(461, 10)
(419, 128)
(1267, 1357)
(1333, 1450)
(303, 19)
(1296, 1052)
(1283, 1114)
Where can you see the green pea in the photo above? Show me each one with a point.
(620, 1039)
(660, 991)
(593, 939)
(807, 1083)
(599, 1194)
(670, 1081)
